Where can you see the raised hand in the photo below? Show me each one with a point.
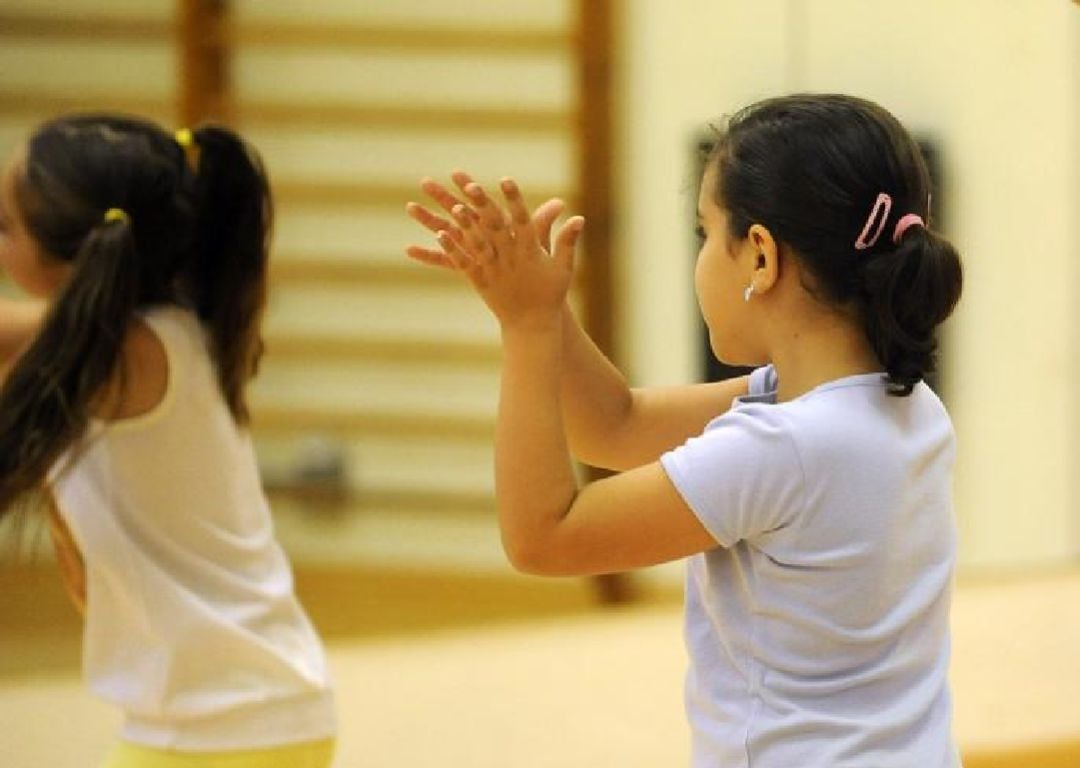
(505, 257)
(543, 218)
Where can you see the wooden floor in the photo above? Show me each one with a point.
(481, 671)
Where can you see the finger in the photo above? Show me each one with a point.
(426, 218)
(566, 242)
(462, 179)
(460, 258)
(430, 256)
(492, 221)
(520, 220)
(439, 194)
(430, 221)
(471, 238)
(544, 217)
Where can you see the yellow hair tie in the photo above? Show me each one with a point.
(184, 138)
(117, 214)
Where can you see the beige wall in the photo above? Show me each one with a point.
(996, 83)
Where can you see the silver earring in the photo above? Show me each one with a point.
(748, 292)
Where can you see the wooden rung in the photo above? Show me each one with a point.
(275, 420)
(37, 104)
(293, 270)
(353, 117)
(286, 270)
(302, 192)
(416, 38)
(343, 194)
(302, 347)
(94, 27)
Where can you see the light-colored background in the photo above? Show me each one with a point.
(995, 83)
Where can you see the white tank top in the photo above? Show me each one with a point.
(192, 625)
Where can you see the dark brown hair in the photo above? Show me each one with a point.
(195, 237)
(810, 167)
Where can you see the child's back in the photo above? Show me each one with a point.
(193, 628)
(819, 630)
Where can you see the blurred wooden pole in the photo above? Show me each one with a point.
(205, 58)
(595, 169)
(594, 166)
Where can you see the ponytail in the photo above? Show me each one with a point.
(907, 292)
(227, 274)
(46, 399)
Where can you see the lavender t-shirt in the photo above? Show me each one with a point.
(818, 629)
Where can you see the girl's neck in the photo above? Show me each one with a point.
(813, 354)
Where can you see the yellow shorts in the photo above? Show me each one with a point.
(315, 754)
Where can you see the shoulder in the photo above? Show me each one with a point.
(141, 380)
(171, 322)
(744, 475)
(851, 433)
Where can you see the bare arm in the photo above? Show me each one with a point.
(612, 426)
(548, 524)
(20, 320)
(608, 424)
(68, 557)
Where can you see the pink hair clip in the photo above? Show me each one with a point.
(907, 220)
(880, 212)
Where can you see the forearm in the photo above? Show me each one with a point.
(68, 557)
(596, 400)
(534, 478)
(610, 425)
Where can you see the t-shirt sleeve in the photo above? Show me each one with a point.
(742, 477)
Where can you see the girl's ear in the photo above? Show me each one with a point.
(765, 254)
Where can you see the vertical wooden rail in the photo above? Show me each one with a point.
(594, 165)
(595, 171)
(204, 46)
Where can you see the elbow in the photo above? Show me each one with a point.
(527, 558)
(536, 539)
(534, 556)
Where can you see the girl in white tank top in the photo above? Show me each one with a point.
(128, 405)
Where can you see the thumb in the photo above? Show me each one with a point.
(543, 217)
(566, 242)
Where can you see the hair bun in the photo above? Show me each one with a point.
(907, 293)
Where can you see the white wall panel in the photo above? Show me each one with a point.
(68, 67)
(416, 79)
(415, 312)
(403, 158)
(484, 13)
